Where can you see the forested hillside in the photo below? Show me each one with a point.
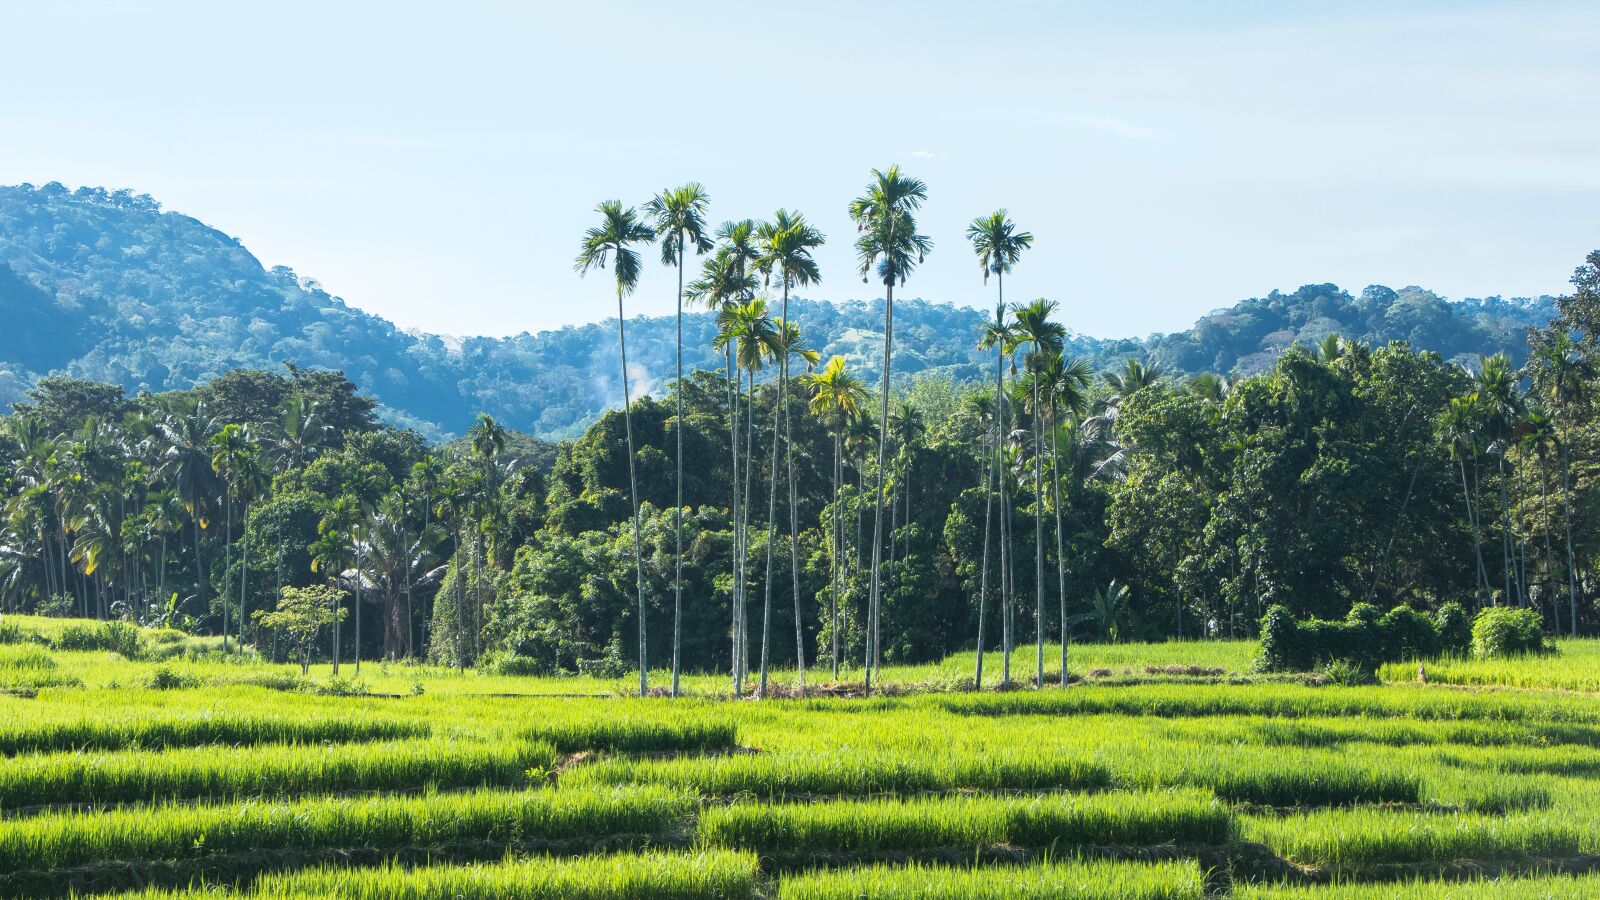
(106, 286)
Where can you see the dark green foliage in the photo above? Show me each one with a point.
(1504, 631)
(1455, 629)
(1362, 641)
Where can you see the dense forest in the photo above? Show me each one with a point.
(1044, 499)
(106, 286)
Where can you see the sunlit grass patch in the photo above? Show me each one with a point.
(1087, 880)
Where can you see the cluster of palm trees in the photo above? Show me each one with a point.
(1496, 429)
(745, 258)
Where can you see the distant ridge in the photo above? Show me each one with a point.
(106, 285)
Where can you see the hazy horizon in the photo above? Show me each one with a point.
(438, 169)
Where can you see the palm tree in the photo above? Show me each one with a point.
(1066, 386)
(334, 549)
(613, 240)
(999, 333)
(1562, 372)
(1538, 440)
(1459, 428)
(1497, 390)
(889, 247)
(186, 463)
(679, 215)
(999, 246)
(228, 455)
(1045, 339)
(1134, 377)
(836, 399)
(787, 343)
(785, 250)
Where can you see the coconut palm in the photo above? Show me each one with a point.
(185, 438)
(679, 215)
(785, 251)
(836, 399)
(1134, 377)
(612, 241)
(888, 247)
(1044, 339)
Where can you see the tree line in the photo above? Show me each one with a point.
(781, 513)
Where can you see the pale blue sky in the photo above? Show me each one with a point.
(437, 163)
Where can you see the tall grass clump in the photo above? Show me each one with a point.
(509, 819)
(1175, 880)
(1354, 842)
(268, 771)
(637, 734)
(705, 875)
(1058, 821)
(156, 732)
(853, 771)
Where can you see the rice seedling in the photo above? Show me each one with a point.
(1059, 821)
(1086, 879)
(1575, 667)
(267, 771)
(636, 733)
(703, 875)
(192, 731)
(1531, 887)
(1349, 843)
(852, 771)
(503, 818)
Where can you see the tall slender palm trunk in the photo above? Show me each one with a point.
(983, 583)
(835, 564)
(733, 511)
(677, 510)
(772, 533)
(749, 479)
(244, 569)
(1038, 533)
(1566, 507)
(227, 565)
(794, 511)
(1472, 522)
(1061, 556)
(877, 515)
(633, 495)
(1506, 555)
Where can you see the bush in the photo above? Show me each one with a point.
(117, 637)
(165, 679)
(501, 663)
(1365, 638)
(1503, 631)
(1455, 629)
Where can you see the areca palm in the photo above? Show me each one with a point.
(1459, 428)
(1044, 339)
(999, 333)
(889, 248)
(1561, 373)
(1538, 440)
(1066, 387)
(679, 215)
(1496, 388)
(612, 242)
(836, 399)
(746, 330)
(785, 248)
(786, 343)
(185, 437)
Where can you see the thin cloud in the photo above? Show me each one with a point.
(925, 154)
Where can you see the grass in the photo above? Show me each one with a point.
(58, 841)
(268, 771)
(1354, 842)
(1535, 887)
(969, 823)
(706, 875)
(1173, 880)
(636, 733)
(193, 731)
(1575, 667)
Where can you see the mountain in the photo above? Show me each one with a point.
(106, 285)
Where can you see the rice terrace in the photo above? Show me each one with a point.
(1060, 450)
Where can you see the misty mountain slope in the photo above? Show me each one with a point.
(107, 285)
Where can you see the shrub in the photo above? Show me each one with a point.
(1408, 634)
(501, 663)
(1503, 631)
(165, 679)
(1347, 673)
(117, 637)
(1455, 629)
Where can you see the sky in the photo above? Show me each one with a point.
(437, 163)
